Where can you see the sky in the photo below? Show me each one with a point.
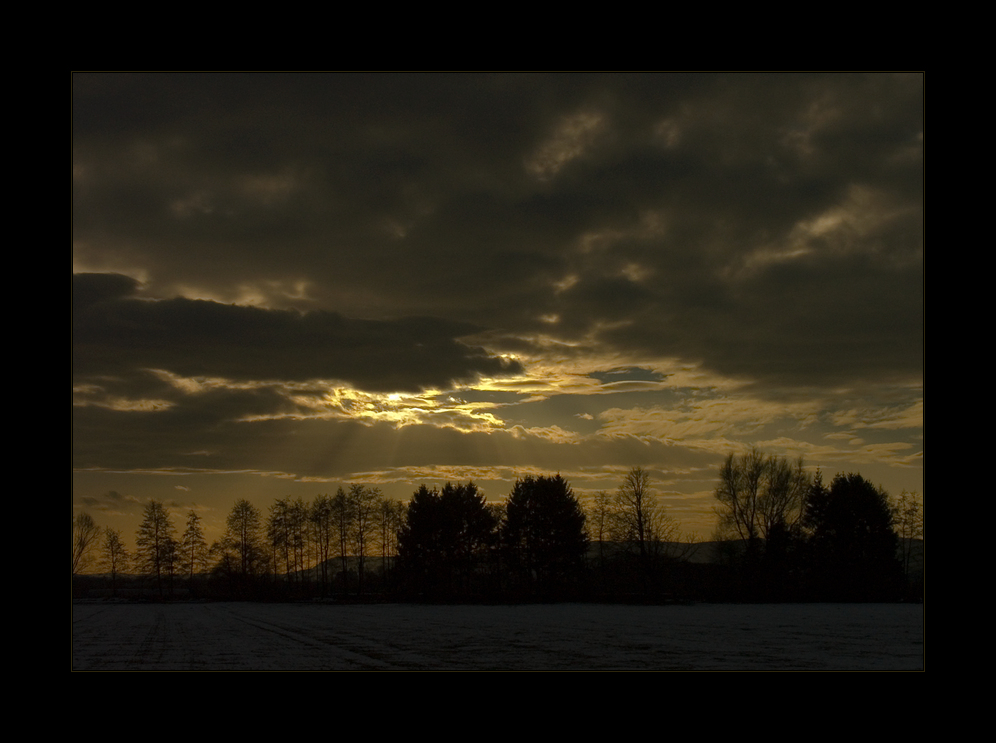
(285, 283)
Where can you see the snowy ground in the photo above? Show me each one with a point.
(237, 636)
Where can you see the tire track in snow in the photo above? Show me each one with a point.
(337, 650)
(155, 645)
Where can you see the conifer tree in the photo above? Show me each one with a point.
(545, 530)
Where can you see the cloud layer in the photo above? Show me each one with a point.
(114, 332)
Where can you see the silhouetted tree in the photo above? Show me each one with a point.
(171, 560)
(363, 504)
(632, 504)
(85, 536)
(851, 539)
(640, 519)
(420, 547)
(300, 536)
(342, 518)
(642, 525)
(155, 542)
(544, 531)
(323, 529)
(193, 547)
(243, 536)
(908, 521)
(599, 521)
(288, 535)
(390, 517)
(759, 497)
(445, 537)
(115, 556)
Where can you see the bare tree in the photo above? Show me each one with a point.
(363, 503)
(390, 517)
(784, 495)
(287, 529)
(599, 521)
(156, 546)
(171, 560)
(323, 530)
(300, 536)
(908, 522)
(342, 519)
(242, 536)
(760, 495)
(738, 493)
(642, 523)
(115, 556)
(85, 536)
(640, 517)
(278, 532)
(193, 547)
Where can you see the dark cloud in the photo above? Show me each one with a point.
(92, 289)
(114, 333)
(388, 196)
(809, 323)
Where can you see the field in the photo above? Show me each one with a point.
(244, 636)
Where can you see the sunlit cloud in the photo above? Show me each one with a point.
(700, 421)
(889, 418)
(93, 394)
(894, 454)
(555, 434)
(573, 136)
(848, 227)
(431, 407)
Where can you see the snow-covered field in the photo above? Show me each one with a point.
(401, 637)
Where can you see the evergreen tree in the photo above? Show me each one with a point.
(446, 538)
(852, 544)
(544, 532)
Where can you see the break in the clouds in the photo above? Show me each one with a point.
(493, 256)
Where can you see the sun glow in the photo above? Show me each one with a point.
(398, 409)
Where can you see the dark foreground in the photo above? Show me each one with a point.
(401, 637)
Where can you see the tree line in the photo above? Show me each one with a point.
(787, 535)
(781, 535)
